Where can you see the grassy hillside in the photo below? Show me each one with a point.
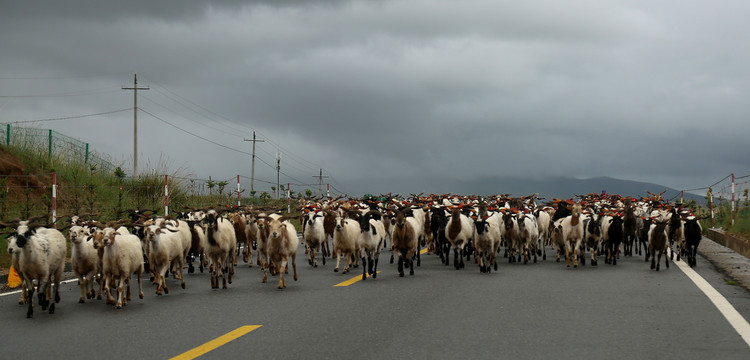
(25, 190)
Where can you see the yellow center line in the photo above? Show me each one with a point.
(216, 343)
(359, 277)
(353, 280)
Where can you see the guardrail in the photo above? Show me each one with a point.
(738, 244)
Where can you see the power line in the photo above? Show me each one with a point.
(193, 134)
(69, 117)
(65, 94)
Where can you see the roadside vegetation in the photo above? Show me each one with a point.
(26, 178)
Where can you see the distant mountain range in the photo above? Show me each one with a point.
(555, 187)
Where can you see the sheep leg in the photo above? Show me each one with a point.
(338, 260)
(364, 268)
(30, 291)
(108, 289)
(282, 283)
(120, 289)
(140, 284)
(374, 272)
(294, 265)
(82, 282)
(400, 266)
(455, 258)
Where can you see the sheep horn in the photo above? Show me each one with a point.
(12, 224)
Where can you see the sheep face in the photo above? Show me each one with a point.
(12, 243)
(275, 229)
(78, 234)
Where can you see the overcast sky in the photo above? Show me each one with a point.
(388, 95)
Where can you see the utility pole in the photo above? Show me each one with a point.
(252, 166)
(320, 182)
(278, 170)
(135, 89)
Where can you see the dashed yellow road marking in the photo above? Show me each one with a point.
(359, 277)
(216, 343)
(353, 280)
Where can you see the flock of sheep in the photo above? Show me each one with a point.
(360, 229)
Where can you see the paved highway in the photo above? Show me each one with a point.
(532, 311)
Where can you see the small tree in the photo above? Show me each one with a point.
(265, 196)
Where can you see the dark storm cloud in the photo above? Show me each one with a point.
(398, 89)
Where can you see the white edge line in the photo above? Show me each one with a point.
(730, 313)
(19, 291)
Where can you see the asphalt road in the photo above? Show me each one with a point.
(532, 311)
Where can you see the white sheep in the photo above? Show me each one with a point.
(40, 255)
(282, 245)
(123, 256)
(166, 247)
(314, 236)
(84, 260)
(487, 240)
(572, 228)
(458, 232)
(371, 241)
(220, 248)
(528, 233)
(345, 242)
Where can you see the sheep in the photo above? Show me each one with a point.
(487, 240)
(252, 233)
(84, 259)
(404, 241)
(543, 220)
(123, 256)
(675, 232)
(458, 232)
(528, 234)
(593, 235)
(658, 241)
(438, 221)
(166, 247)
(314, 236)
(509, 234)
(693, 235)
(240, 233)
(39, 253)
(220, 249)
(614, 239)
(572, 234)
(371, 241)
(556, 237)
(345, 241)
(282, 244)
(629, 227)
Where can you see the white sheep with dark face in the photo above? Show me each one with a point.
(39, 253)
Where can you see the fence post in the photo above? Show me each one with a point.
(711, 204)
(239, 203)
(50, 144)
(732, 199)
(166, 195)
(86, 160)
(288, 198)
(328, 190)
(54, 200)
(7, 135)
